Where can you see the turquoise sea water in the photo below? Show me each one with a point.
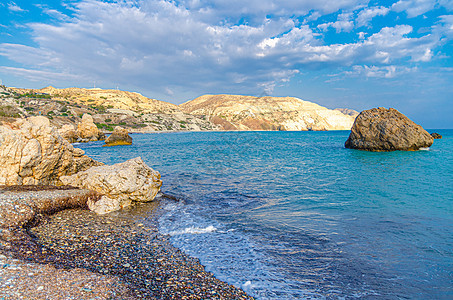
(295, 215)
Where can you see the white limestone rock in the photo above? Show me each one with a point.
(32, 152)
(120, 184)
(87, 130)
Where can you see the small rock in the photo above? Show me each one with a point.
(120, 136)
(436, 136)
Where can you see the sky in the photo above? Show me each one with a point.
(354, 54)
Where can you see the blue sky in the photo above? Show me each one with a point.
(346, 53)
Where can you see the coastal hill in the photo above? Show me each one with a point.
(109, 108)
(235, 112)
(137, 113)
(114, 99)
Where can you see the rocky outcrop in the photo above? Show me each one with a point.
(87, 131)
(32, 152)
(381, 129)
(436, 136)
(120, 184)
(235, 112)
(69, 133)
(120, 136)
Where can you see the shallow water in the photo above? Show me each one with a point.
(289, 215)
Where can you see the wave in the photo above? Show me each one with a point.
(193, 230)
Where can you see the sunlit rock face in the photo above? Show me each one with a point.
(68, 132)
(120, 136)
(235, 112)
(32, 152)
(88, 131)
(120, 184)
(381, 129)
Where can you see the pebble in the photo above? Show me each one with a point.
(143, 259)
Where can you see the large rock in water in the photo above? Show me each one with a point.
(120, 136)
(120, 184)
(381, 129)
(32, 152)
(88, 131)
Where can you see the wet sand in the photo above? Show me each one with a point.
(74, 254)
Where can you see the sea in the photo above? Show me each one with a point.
(296, 215)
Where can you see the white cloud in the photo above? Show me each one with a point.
(169, 92)
(39, 75)
(343, 23)
(379, 72)
(448, 4)
(14, 7)
(367, 14)
(213, 10)
(444, 26)
(156, 44)
(414, 8)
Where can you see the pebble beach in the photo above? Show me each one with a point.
(53, 249)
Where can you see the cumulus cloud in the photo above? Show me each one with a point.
(343, 23)
(414, 8)
(367, 14)
(190, 44)
(379, 71)
(15, 8)
(220, 9)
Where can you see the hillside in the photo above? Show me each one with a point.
(235, 112)
(138, 113)
(109, 108)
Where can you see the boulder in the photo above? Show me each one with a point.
(381, 129)
(436, 136)
(120, 184)
(120, 136)
(69, 133)
(87, 131)
(32, 152)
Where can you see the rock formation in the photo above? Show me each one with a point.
(87, 131)
(69, 133)
(436, 136)
(234, 112)
(120, 184)
(32, 152)
(120, 136)
(381, 129)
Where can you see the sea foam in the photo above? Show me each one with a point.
(193, 230)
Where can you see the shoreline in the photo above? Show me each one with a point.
(119, 255)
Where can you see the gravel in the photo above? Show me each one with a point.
(76, 254)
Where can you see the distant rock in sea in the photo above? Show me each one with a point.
(236, 112)
(381, 129)
(120, 136)
(436, 136)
